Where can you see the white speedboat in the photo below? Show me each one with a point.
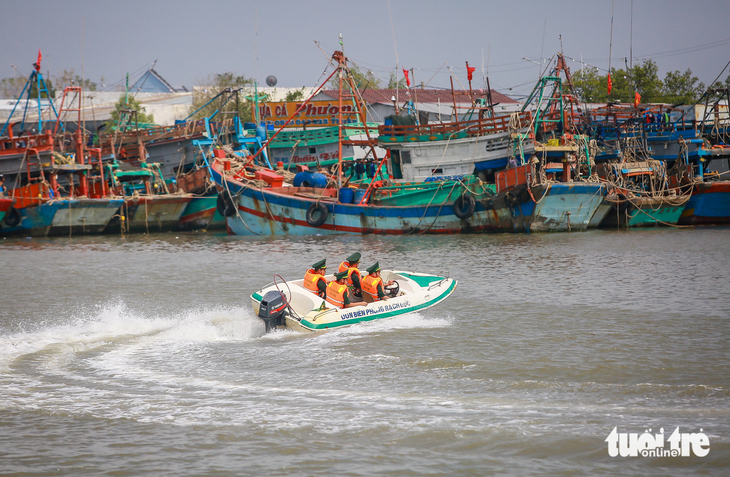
(288, 304)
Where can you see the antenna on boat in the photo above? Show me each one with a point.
(610, 48)
(397, 66)
(340, 67)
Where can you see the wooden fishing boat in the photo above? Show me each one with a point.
(555, 189)
(149, 206)
(640, 195)
(258, 202)
(288, 304)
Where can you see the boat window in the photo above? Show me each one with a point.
(405, 157)
(394, 169)
(313, 150)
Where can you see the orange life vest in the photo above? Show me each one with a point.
(311, 280)
(370, 286)
(350, 271)
(336, 294)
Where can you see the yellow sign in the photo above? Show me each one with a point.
(314, 113)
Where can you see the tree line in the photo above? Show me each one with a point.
(676, 88)
(12, 87)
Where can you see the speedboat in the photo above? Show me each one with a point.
(288, 304)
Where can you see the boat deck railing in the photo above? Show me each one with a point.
(451, 130)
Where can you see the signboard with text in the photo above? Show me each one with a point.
(314, 113)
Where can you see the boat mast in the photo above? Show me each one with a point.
(340, 67)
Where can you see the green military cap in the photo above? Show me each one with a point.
(320, 264)
(374, 268)
(341, 275)
(354, 258)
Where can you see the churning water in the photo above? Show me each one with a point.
(143, 356)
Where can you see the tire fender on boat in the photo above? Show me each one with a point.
(510, 198)
(12, 218)
(312, 210)
(224, 204)
(464, 206)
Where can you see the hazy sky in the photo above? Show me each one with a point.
(191, 40)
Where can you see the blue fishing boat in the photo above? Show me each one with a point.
(555, 189)
(257, 202)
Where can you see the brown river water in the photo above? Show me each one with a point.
(142, 356)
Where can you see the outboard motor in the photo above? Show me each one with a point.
(272, 309)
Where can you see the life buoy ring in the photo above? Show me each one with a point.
(224, 204)
(464, 206)
(12, 218)
(317, 214)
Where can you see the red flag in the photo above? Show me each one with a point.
(469, 71)
(609, 83)
(408, 81)
(37, 65)
(637, 100)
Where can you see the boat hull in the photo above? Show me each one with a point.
(708, 205)
(157, 213)
(83, 216)
(560, 207)
(644, 212)
(198, 213)
(35, 220)
(266, 213)
(283, 211)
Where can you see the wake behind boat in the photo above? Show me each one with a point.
(291, 305)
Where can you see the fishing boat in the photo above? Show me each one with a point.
(67, 196)
(288, 304)
(149, 206)
(640, 195)
(257, 201)
(649, 178)
(41, 211)
(525, 204)
(555, 189)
